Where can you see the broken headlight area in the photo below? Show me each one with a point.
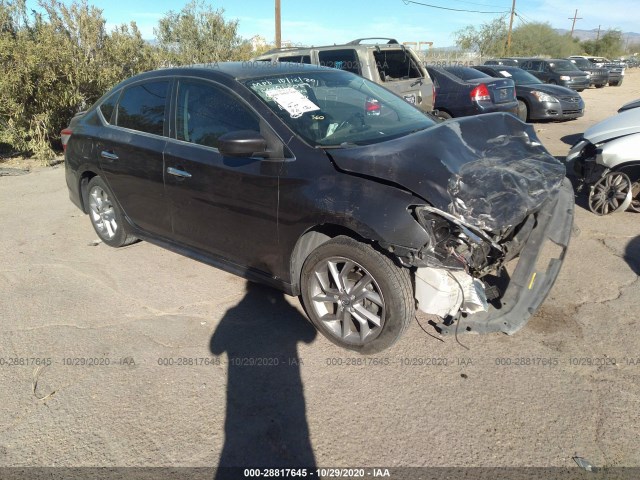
(461, 268)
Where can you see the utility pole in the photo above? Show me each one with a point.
(278, 32)
(598, 36)
(513, 11)
(575, 17)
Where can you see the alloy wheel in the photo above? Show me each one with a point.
(610, 194)
(102, 213)
(347, 300)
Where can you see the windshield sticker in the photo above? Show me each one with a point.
(504, 73)
(292, 100)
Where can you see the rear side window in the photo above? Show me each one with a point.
(396, 65)
(466, 73)
(296, 59)
(109, 106)
(205, 112)
(535, 66)
(341, 59)
(142, 107)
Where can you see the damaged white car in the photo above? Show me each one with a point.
(606, 161)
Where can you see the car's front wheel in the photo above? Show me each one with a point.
(105, 215)
(356, 296)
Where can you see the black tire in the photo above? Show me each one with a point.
(336, 311)
(580, 90)
(601, 85)
(523, 111)
(552, 82)
(442, 115)
(105, 215)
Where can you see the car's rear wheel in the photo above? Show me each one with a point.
(601, 85)
(356, 296)
(105, 215)
(523, 111)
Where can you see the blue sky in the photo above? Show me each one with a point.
(338, 21)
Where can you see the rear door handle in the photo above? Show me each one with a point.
(178, 173)
(108, 155)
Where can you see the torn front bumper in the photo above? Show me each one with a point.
(530, 283)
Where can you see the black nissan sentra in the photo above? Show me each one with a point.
(327, 186)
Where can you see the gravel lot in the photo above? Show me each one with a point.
(532, 399)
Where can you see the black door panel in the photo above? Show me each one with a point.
(220, 204)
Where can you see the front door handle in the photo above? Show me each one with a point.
(108, 155)
(178, 173)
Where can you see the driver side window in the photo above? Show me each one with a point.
(205, 112)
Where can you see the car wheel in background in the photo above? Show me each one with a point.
(523, 111)
(610, 194)
(442, 115)
(105, 215)
(356, 296)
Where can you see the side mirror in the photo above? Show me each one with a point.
(242, 143)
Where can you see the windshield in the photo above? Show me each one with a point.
(583, 63)
(519, 76)
(564, 66)
(338, 108)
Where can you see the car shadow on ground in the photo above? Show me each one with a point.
(266, 423)
(632, 255)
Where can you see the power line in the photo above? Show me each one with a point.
(523, 19)
(407, 2)
(480, 4)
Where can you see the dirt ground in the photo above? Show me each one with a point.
(140, 357)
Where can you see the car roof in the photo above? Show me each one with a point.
(497, 67)
(234, 70)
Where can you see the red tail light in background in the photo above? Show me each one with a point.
(480, 93)
(372, 106)
(65, 135)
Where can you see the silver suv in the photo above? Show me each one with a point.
(391, 64)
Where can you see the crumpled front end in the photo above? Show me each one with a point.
(492, 193)
(495, 284)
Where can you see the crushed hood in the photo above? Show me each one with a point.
(620, 125)
(488, 170)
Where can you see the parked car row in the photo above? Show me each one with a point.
(463, 91)
(598, 70)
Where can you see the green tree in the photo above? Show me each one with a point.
(199, 34)
(610, 45)
(56, 63)
(534, 39)
(487, 40)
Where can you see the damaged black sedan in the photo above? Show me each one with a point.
(329, 187)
